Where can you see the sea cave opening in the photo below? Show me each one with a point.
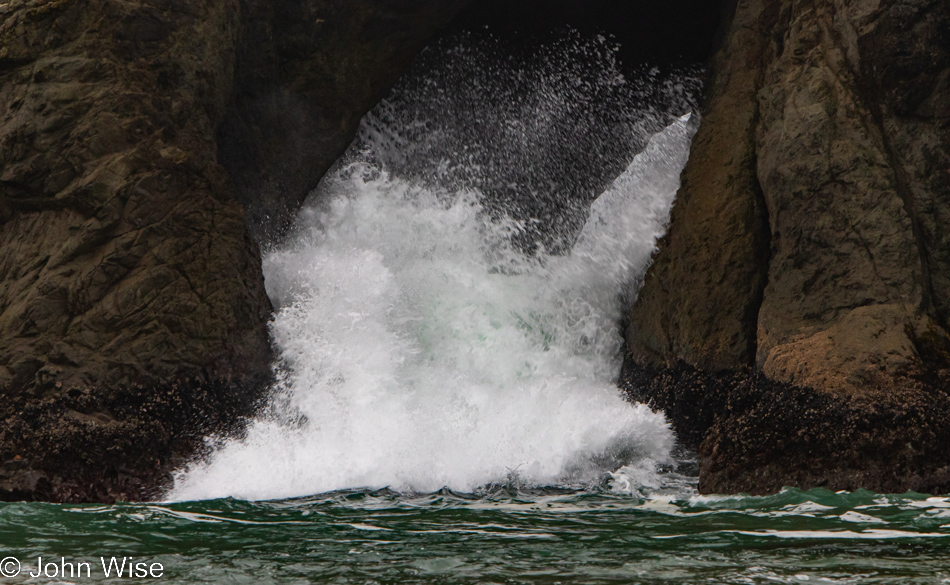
(449, 299)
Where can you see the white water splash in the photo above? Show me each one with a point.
(420, 350)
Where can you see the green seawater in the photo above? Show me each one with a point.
(502, 535)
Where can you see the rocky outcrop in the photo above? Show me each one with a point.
(133, 317)
(125, 263)
(702, 294)
(825, 143)
(757, 435)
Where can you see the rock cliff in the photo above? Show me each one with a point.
(125, 263)
(133, 317)
(808, 248)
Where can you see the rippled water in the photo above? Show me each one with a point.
(503, 535)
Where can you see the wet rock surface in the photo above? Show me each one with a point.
(106, 444)
(125, 261)
(756, 435)
(133, 316)
(824, 142)
(701, 296)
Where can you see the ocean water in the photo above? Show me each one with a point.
(504, 534)
(449, 312)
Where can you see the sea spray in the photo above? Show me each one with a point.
(449, 301)
(419, 349)
(538, 129)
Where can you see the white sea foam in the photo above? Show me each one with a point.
(419, 349)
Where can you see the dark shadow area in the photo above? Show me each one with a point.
(539, 106)
(308, 70)
(668, 33)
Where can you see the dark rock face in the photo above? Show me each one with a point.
(307, 72)
(699, 302)
(826, 143)
(757, 435)
(125, 262)
(114, 212)
(133, 316)
(851, 194)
